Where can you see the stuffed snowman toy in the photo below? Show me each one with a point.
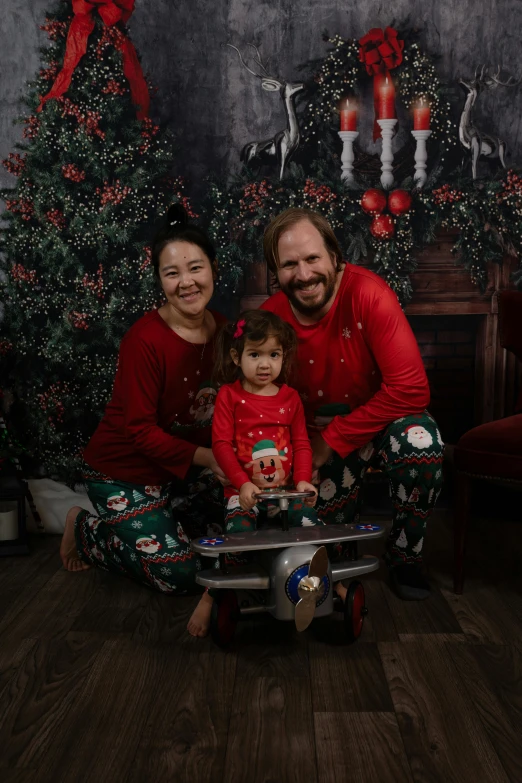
(148, 545)
(117, 502)
(418, 436)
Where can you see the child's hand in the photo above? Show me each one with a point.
(247, 499)
(304, 486)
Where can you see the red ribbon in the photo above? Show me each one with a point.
(380, 51)
(82, 25)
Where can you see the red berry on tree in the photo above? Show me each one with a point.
(373, 201)
(399, 202)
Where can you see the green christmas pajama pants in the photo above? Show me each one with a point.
(239, 521)
(410, 451)
(144, 531)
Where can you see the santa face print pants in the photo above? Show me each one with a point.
(143, 532)
(410, 452)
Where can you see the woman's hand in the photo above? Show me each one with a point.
(305, 486)
(247, 495)
(206, 459)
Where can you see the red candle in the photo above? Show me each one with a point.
(421, 116)
(348, 114)
(386, 103)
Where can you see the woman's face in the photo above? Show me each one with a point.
(186, 276)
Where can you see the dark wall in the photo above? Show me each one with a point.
(215, 106)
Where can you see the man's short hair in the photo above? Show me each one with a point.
(289, 218)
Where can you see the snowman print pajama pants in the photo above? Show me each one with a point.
(410, 452)
(144, 531)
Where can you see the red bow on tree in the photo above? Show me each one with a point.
(380, 51)
(82, 25)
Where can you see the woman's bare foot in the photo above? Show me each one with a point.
(341, 590)
(68, 551)
(200, 620)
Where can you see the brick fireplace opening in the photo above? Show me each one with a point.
(448, 347)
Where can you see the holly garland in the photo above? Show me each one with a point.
(381, 230)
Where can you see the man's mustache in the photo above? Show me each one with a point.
(299, 285)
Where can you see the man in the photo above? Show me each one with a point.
(363, 385)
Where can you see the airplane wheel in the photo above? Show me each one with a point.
(224, 616)
(354, 611)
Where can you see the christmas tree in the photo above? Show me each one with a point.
(93, 176)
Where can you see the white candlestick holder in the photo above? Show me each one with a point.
(386, 127)
(347, 157)
(421, 156)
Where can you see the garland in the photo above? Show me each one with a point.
(487, 213)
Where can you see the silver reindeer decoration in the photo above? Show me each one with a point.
(481, 144)
(285, 142)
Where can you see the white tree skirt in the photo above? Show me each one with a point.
(53, 500)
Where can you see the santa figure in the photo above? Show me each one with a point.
(116, 543)
(327, 489)
(148, 545)
(152, 490)
(117, 502)
(203, 406)
(418, 436)
(182, 536)
(161, 585)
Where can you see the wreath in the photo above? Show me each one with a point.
(487, 213)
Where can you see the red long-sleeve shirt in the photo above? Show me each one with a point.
(359, 368)
(260, 439)
(161, 407)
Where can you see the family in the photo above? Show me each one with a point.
(322, 383)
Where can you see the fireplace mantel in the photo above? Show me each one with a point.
(441, 287)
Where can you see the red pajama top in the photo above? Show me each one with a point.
(260, 439)
(161, 407)
(359, 368)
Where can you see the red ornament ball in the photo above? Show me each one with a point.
(382, 227)
(399, 202)
(373, 201)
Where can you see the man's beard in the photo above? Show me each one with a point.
(328, 281)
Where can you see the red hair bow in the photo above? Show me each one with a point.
(239, 328)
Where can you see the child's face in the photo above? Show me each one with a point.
(261, 362)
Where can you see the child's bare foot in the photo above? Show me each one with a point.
(200, 620)
(68, 551)
(341, 590)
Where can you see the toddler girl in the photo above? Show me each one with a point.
(259, 436)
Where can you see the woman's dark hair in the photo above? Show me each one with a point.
(256, 326)
(176, 228)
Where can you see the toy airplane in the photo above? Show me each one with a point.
(291, 569)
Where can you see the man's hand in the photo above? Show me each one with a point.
(247, 498)
(321, 452)
(305, 486)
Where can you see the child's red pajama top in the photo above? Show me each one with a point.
(359, 368)
(260, 439)
(161, 406)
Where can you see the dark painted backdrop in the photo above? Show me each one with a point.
(215, 106)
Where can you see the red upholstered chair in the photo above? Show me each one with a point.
(492, 451)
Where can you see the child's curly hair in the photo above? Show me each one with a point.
(256, 326)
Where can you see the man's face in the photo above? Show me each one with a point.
(306, 273)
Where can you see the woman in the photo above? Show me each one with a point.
(153, 442)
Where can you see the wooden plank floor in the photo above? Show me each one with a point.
(99, 681)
